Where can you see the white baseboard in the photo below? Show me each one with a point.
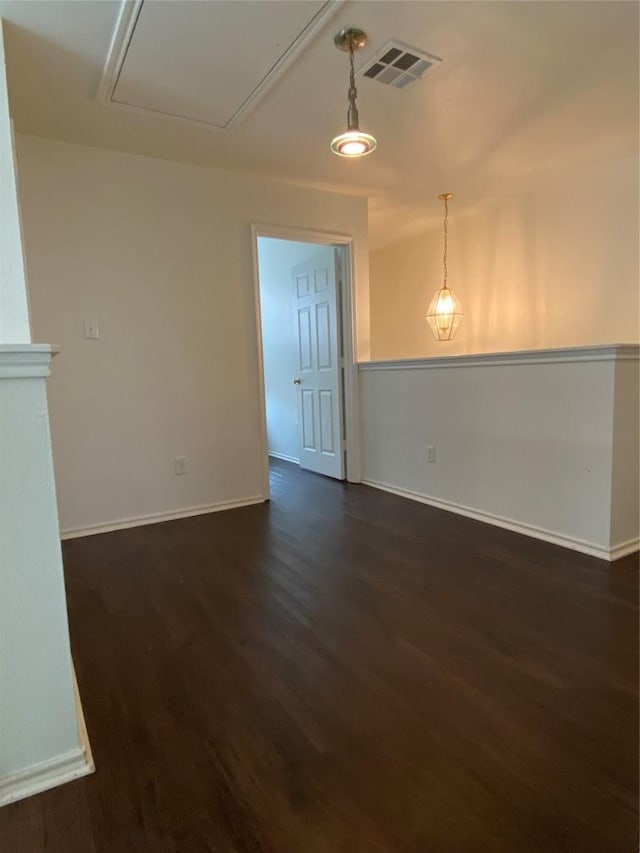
(554, 538)
(284, 457)
(82, 727)
(624, 549)
(41, 777)
(56, 771)
(158, 517)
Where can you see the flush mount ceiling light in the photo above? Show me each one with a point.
(354, 142)
(445, 311)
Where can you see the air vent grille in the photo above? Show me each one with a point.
(398, 65)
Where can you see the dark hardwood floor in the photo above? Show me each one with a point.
(345, 671)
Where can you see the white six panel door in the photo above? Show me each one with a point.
(318, 377)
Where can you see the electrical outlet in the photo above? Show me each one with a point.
(91, 330)
(180, 465)
(431, 453)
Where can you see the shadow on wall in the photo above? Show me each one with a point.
(553, 267)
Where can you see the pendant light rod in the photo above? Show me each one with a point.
(354, 142)
(352, 112)
(445, 198)
(350, 40)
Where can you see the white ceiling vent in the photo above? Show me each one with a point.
(398, 65)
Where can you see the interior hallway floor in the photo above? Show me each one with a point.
(345, 671)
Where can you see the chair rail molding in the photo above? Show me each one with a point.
(26, 361)
(601, 352)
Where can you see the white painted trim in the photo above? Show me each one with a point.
(301, 235)
(121, 39)
(16, 192)
(351, 378)
(158, 517)
(56, 771)
(624, 549)
(122, 34)
(26, 361)
(604, 352)
(82, 727)
(262, 392)
(41, 777)
(351, 394)
(590, 548)
(284, 457)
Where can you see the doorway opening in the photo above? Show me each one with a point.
(308, 373)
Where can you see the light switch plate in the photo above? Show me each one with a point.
(91, 330)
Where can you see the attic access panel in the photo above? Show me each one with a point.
(205, 62)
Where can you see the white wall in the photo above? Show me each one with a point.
(625, 497)
(526, 444)
(533, 444)
(555, 267)
(276, 258)
(14, 309)
(40, 741)
(159, 255)
(37, 704)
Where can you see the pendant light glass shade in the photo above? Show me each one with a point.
(353, 142)
(444, 314)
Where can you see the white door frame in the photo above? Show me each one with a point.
(353, 468)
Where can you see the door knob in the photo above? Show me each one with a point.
(297, 381)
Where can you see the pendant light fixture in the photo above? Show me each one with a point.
(445, 311)
(354, 142)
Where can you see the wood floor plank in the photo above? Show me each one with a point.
(345, 671)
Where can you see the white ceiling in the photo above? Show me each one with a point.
(524, 89)
(189, 66)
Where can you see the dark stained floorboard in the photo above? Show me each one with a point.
(345, 671)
